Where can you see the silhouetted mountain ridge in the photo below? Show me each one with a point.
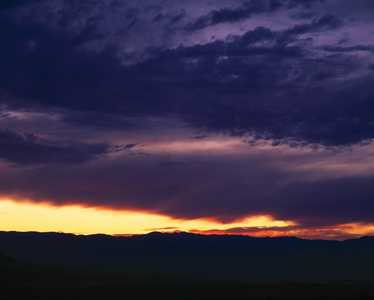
(194, 255)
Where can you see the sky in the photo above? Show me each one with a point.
(212, 117)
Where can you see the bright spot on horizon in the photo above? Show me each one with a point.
(28, 216)
(43, 217)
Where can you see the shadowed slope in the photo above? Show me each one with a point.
(147, 265)
(199, 256)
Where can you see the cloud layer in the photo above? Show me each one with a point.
(272, 83)
(144, 97)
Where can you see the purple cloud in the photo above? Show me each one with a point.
(290, 77)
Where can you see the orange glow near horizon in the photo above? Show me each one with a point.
(339, 232)
(28, 216)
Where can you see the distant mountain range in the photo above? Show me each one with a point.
(218, 257)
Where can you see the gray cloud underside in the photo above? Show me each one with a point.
(29, 149)
(220, 188)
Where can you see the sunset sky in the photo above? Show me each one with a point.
(232, 117)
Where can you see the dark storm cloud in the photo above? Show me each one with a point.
(45, 66)
(304, 81)
(229, 15)
(130, 146)
(172, 17)
(262, 82)
(244, 11)
(318, 203)
(199, 137)
(97, 119)
(349, 49)
(328, 21)
(224, 189)
(328, 200)
(302, 3)
(254, 83)
(29, 149)
(49, 68)
(6, 5)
